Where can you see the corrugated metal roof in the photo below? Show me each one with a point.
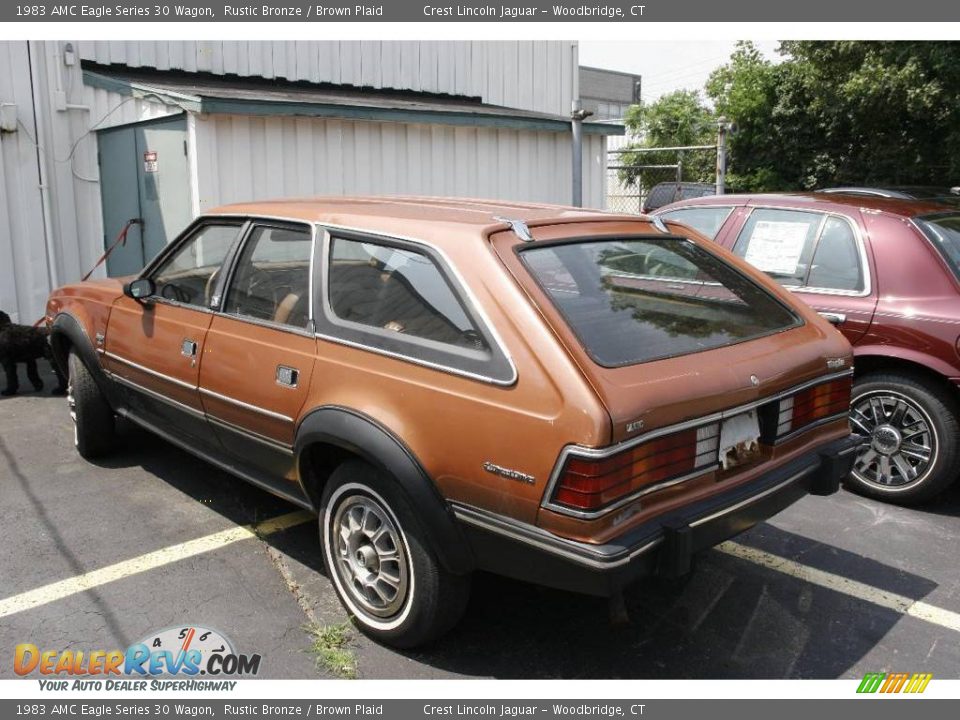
(201, 93)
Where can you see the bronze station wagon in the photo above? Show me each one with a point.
(568, 397)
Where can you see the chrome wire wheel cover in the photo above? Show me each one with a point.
(903, 442)
(369, 556)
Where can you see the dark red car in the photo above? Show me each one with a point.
(886, 272)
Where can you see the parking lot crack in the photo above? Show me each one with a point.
(300, 595)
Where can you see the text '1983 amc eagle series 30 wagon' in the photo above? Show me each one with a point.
(572, 398)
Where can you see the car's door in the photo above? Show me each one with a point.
(259, 353)
(820, 256)
(153, 345)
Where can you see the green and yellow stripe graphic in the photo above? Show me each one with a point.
(894, 682)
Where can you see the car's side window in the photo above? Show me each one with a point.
(399, 291)
(271, 280)
(802, 249)
(836, 261)
(780, 242)
(189, 274)
(705, 220)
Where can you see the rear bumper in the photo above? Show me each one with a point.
(663, 546)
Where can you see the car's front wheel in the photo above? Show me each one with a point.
(380, 562)
(94, 430)
(913, 427)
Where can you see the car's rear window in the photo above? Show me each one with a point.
(944, 233)
(634, 300)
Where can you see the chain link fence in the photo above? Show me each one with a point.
(633, 172)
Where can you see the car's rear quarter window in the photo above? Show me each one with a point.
(944, 232)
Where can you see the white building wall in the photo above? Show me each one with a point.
(46, 241)
(530, 75)
(24, 279)
(108, 109)
(251, 158)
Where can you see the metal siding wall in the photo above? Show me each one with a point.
(242, 158)
(531, 75)
(249, 158)
(69, 154)
(23, 255)
(108, 109)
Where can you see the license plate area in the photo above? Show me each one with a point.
(739, 440)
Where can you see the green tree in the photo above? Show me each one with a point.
(745, 92)
(841, 112)
(677, 119)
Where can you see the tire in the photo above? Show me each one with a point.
(390, 582)
(94, 424)
(914, 426)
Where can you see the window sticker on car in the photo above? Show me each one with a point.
(777, 246)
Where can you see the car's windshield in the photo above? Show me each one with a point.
(632, 300)
(944, 232)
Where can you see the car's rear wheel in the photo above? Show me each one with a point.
(914, 437)
(94, 424)
(380, 562)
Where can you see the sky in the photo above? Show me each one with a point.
(665, 65)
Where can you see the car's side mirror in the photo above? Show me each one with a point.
(139, 289)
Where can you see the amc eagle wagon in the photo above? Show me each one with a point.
(568, 397)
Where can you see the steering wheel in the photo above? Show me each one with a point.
(174, 292)
(655, 269)
(261, 289)
(209, 287)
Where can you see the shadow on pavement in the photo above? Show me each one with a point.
(728, 619)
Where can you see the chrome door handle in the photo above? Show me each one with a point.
(188, 348)
(834, 318)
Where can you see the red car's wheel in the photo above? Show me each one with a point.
(914, 438)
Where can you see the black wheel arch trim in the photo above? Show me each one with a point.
(363, 436)
(66, 327)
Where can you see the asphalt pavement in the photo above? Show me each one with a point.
(97, 556)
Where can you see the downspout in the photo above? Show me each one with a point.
(42, 169)
(577, 116)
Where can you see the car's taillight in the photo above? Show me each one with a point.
(815, 403)
(591, 484)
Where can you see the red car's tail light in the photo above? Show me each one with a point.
(815, 403)
(591, 484)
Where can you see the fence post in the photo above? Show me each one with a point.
(577, 116)
(723, 126)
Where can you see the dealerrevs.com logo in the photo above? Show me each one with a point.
(186, 652)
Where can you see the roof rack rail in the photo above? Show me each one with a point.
(519, 228)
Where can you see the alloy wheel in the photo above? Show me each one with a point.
(369, 556)
(903, 442)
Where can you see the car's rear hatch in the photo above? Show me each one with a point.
(665, 329)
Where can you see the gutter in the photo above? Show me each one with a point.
(42, 169)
